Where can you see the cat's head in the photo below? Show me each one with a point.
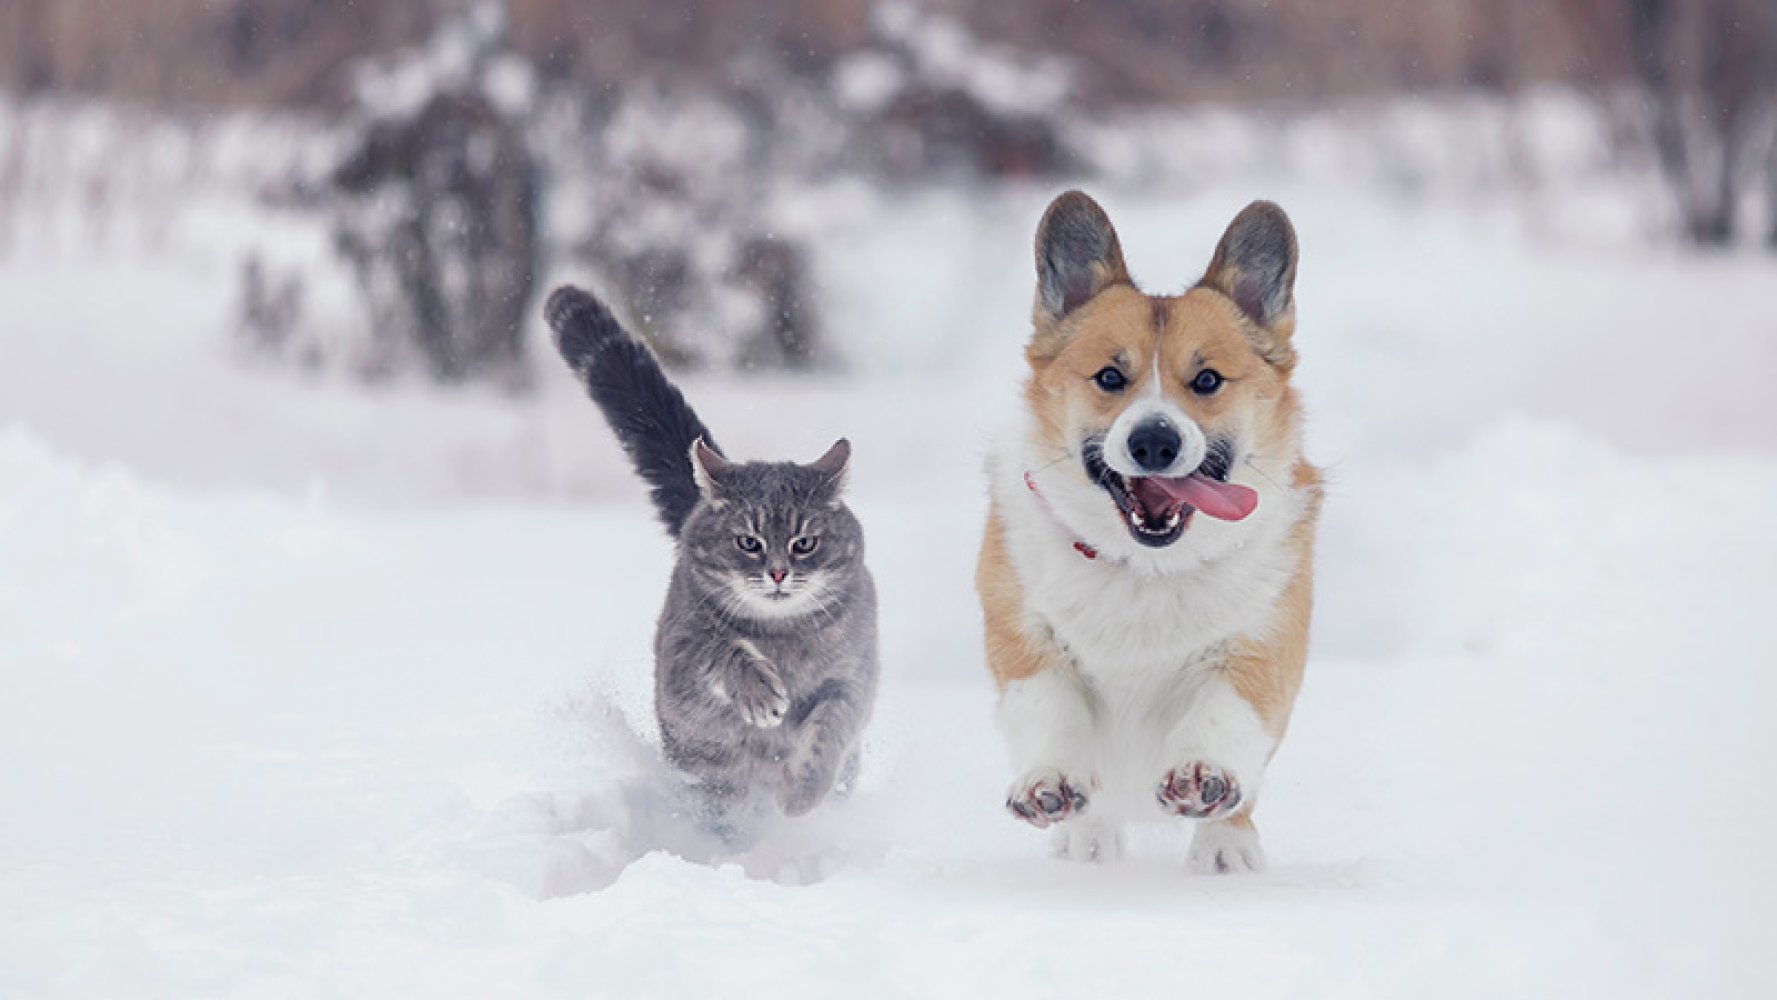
(772, 539)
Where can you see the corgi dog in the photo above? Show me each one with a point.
(1146, 575)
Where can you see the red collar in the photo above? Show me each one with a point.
(1079, 546)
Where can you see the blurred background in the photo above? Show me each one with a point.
(326, 597)
(382, 192)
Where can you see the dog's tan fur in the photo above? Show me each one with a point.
(1012, 653)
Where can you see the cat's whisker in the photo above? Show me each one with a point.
(721, 603)
(825, 603)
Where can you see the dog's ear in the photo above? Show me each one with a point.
(1255, 265)
(1078, 256)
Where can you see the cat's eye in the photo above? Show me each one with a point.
(748, 543)
(805, 545)
(1207, 382)
(1110, 378)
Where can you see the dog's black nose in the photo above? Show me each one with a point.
(1154, 444)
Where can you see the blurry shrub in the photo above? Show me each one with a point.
(432, 206)
(665, 195)
(270, 312)
(926, 97)
(437, 214)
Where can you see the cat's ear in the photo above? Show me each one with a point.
(834, 464)
(708, 467)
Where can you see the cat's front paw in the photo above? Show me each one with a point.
(752, 684)
(1199, 791)
(1046, 796)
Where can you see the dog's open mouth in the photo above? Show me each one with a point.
(1158, 509)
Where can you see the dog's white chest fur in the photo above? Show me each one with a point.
(1123, 618)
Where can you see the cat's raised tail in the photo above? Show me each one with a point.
(650, 417)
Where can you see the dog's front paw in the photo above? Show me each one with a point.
(1046, 796)
(1199, 791)
(757, 692)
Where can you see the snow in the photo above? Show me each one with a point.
(312, 689)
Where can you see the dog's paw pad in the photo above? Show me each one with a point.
(1046, 797)
(1199, 791)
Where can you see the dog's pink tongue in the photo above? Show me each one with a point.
(1222, 501)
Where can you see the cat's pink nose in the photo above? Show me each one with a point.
(777, 575)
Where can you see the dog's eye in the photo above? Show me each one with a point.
(804, 545)
(1110, 378)
(1207, 382)
(748, 543)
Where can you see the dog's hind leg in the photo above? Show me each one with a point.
(1223, 846)
(1218, 752)
(1089, 838)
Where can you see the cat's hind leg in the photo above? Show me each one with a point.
(847, 782)
(824, 731)
(727, 811)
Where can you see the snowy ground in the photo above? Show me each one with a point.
(311, 692)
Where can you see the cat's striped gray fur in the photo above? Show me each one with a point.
(766, 650)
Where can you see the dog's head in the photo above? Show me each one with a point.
(1162, 408)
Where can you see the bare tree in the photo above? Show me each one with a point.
(1709, 68)
(1771, 194)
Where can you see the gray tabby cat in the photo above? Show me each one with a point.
(765, 652)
